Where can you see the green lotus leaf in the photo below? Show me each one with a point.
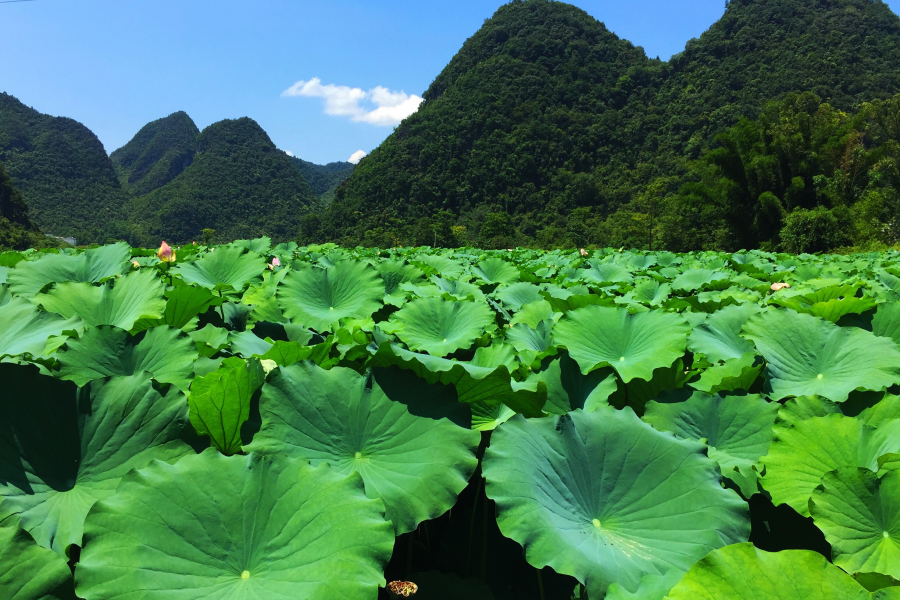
(441, 327)
(394, 273)
(29, 572)
(886, 322)
(653, 587)
(185, 303)
(538, 339)
(809, 356)
(533, 313)
(634, 345)
(733, 375)
(860, 517)
(649, 293)
(518, 295)
(718, 336)
(742, 572)
(803, 453)
(259, 245)
(247, 344)
(829, 303)
(91, 266)
(210, 340)
(62, 450)
(458, 289)
(26, 330)
(696, 279)
(220, 402)
(638, 392)
(441, 264)
(242, 527)
(319, 298)
(496, 271)
(568, 389)
(601, 273)
(488, 417)
(606, 498)
(737, 429)
(167, 354)
(119, 302)
(876, 581)
(417, 466)
(229, 267)
(473, 383)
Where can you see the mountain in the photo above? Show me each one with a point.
(324, 179)
(62, 171)
(17, 232)
(159, 152)
(239, 184)
(546, 129)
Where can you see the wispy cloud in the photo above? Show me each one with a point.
(357, 156)
(378, 106)
(289, 153)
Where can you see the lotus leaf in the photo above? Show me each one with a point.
(633, 345)
(185, 303)
(229, 267)
(220, 402)
(258, 527)
(496, 270)
(25, 330)
(119, 302)
(802, 454)
(737, 429)
(319, 298)
(167, 354)
(886, 322)
(416, 465)
(441, 327)
(718, 336)
(64, 450)
(518, 295)
(742, 572)
(92, 266)
(809, 356)
(29, 572)
(860, 516)
(606, 498)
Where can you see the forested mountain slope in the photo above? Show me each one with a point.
(159, 152)
(547, 129)
(239, 184)
(324, 179)
(17, 232)
(62, 170)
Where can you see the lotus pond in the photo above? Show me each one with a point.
(258, 422)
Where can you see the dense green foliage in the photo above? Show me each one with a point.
(159, 152)
(249, 421)
(548, 130)
(62, 170)
(323, 179)
(17, 232)
(239, 184)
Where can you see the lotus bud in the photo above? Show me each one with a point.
(165, 253)
(584, 252)
(275, 263)
(777, 287)
(136, 264)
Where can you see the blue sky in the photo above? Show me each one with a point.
(115, 65)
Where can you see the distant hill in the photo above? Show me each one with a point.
(159, 152)
(324, 179)
(17, 232)
(546, 129)
(239, 184)
(62, 170)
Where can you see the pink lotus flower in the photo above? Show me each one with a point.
(275, 263)
(584, 252)
(777, 287)
(165, 253)
(136, 264)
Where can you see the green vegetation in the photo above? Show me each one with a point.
(159, 152)
(547, 130)
(63, 172)
(323, 179)
(239, 184)
(17, 232)
(496, 425)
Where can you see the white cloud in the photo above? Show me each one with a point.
(289, 153)
(378, 106)
(357, 156)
